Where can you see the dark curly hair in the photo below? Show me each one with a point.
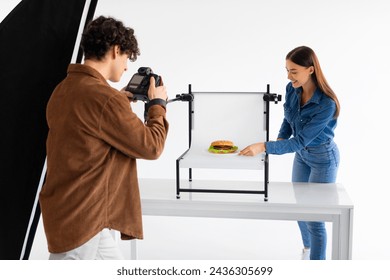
(103, 33)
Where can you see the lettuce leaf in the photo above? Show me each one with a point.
(215, 151)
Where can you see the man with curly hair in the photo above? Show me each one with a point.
(93, 142)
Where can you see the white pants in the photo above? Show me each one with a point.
(101, 247)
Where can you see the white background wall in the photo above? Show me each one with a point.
(241, 45)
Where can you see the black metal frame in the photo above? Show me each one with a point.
(268, 97)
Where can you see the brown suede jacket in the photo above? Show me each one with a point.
(93, 142)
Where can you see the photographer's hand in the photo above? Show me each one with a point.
(157, 92)
(128, 94)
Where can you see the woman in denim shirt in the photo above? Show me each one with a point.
(311, 109)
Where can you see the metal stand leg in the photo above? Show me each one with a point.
(177, 179)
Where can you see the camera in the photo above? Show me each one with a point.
(140, 82)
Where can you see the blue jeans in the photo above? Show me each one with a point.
(316, 165)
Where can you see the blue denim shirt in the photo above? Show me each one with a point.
(310, 125)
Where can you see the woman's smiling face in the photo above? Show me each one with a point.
(297, 74)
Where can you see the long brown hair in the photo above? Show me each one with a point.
(305, 56)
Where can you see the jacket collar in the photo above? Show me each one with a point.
(88, 70)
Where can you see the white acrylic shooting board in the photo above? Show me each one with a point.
(238, 117)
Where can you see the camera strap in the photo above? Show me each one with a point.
(156, 101)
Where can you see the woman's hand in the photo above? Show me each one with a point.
(253, 149)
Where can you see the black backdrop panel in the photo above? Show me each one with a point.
(37, 40)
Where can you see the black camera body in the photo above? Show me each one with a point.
(140, 82)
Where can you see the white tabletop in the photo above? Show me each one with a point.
(286, 201)
(280, 193)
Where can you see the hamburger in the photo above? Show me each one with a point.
(222, 147)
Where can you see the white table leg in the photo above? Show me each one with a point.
(133, 249)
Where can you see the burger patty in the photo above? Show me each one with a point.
(222, 147)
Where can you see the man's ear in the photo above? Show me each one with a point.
(115, 51)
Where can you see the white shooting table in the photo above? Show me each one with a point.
(287, 201)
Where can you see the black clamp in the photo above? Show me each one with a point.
(182, 97)
(272, 97)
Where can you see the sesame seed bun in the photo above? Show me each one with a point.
(222, 143)
(222, 147)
